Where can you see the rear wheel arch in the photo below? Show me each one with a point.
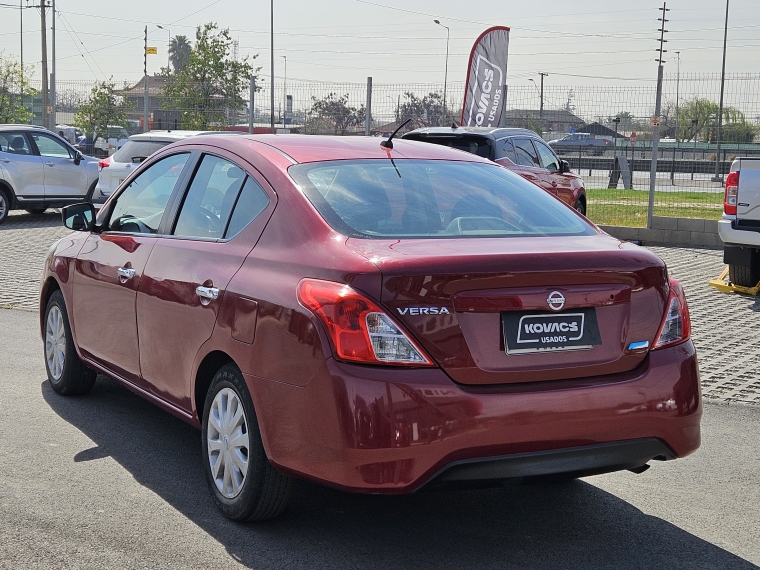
(5, 187)
(207, 369)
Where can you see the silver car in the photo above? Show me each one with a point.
(40, 170)
(117, 167)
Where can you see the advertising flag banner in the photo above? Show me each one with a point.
(486, 79)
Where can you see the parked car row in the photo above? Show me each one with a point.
(380, 319)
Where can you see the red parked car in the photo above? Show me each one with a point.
(519, 150)
(378, 320)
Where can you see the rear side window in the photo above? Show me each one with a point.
(210, 199)
(15, 143)
(526, 154)
(135, 149)
(504, 149)
(432, 199)
(252, 201)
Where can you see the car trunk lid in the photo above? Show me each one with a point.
(468, 300)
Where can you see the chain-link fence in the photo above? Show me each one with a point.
(607, 129)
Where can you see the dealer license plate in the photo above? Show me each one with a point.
(526, 332)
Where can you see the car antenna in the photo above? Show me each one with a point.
(389, 143)
(454, 126)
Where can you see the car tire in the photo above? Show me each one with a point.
(744, 275)
(5, 205)
(580, 206)
(67, 374)
(36, 211)
(259, 493)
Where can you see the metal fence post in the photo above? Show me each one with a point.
(368, 114)
(252, 90)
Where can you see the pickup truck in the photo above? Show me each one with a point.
(739, 229)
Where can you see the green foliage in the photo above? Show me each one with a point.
(14, 87)
(179, 52)
(210, 85)
(333, 115)
(427, 111)
(698, 120)
(104, 107)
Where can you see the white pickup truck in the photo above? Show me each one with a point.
(739, 228)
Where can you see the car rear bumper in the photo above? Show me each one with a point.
(386, 430)
(730, 235)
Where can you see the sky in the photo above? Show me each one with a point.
(396, 41)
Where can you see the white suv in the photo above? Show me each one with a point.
(40, 170)
(117, 167)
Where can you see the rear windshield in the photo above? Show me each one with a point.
(134, 149)
(474, 145)
(432, 198)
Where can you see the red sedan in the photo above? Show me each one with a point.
(376, 319)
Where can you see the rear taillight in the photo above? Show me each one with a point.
(104, 163)
(676, 326)
(732, 192)
(360, 331)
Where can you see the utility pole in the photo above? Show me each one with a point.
(52, 75)
(271, 53)
(146, 94)
(250, 97)
(718, 175)
(656, 118)
(43, 26)
(678, 84)
(541, 109)
(21, 29)
(285, 91)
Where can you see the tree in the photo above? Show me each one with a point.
(698, 119)
(333, 114)
(104, 107)
(14, 87)
(211, 84)
(179, 52)
(427, 110)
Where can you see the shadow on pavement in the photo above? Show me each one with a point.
(574, 525)
(24, 220)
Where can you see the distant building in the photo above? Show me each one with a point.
(135, 96)
(560, 121)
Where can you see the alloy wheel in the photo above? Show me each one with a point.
(55, 342)
(228, 443)
(3, 206)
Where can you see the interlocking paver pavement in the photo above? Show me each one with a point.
(724, 327)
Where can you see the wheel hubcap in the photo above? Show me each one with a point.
(2, 206)
(55, 343)
(227, 440)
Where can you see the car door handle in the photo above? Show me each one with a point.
(49, 164)
(125, 272)
(207, 292)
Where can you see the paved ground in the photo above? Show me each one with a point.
(109, 481)
(724, 326)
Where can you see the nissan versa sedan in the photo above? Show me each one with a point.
(376, 319)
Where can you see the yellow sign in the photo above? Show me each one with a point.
(151, 51)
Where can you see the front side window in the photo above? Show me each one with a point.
(526, 154)
(140, 207)
(505, 149)
(431, 199)
(210, 199)
(548, 158)
(48, 146)
(14, 143)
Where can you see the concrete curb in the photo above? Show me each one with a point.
(672, 232)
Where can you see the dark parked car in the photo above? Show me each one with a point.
(519, 150)
(378, 320)
(584, 142)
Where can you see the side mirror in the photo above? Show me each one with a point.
(564, 166)
(79, 217)
(78, 157)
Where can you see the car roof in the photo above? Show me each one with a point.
(317, 148)
(171, 136)
(15, 127)
(492, 133)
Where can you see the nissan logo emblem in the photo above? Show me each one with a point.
(556, 300)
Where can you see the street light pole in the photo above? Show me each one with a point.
(446, 72)
(168, 45)
(678, 83)
(285, 91)
(718, 175)
(52, 95)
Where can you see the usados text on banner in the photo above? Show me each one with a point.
(486, 79)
